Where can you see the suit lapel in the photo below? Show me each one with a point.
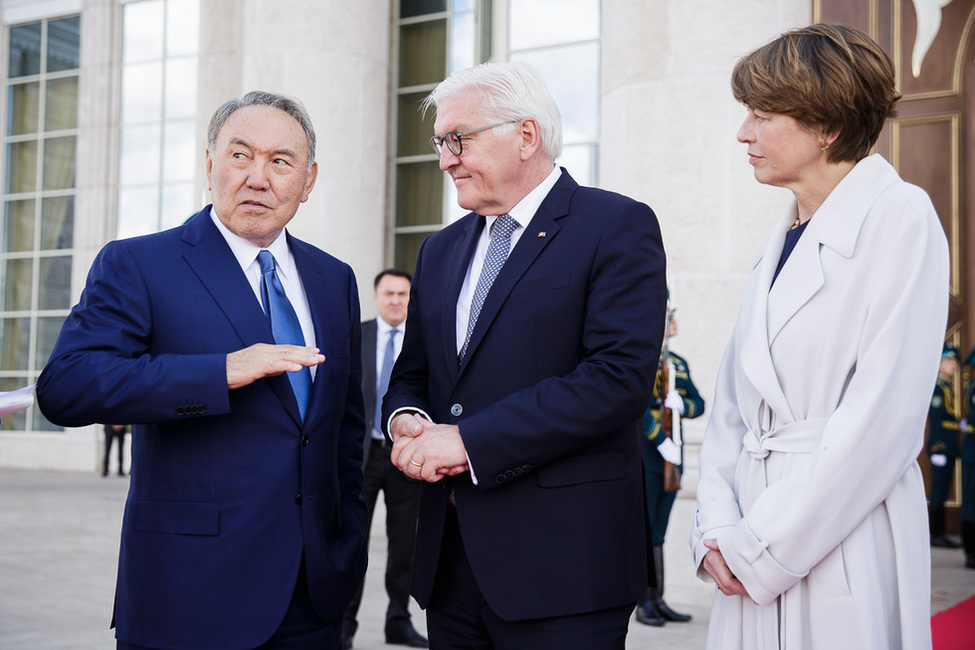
(320, 293)
(540, 231)
(460, 260)
(215, 265)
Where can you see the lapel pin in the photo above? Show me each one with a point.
(541, 233)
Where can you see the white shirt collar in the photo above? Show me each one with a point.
(525, 209)
(383, 328)
(246, 251)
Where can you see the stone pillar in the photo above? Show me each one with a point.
(668, 125)
(333, 56)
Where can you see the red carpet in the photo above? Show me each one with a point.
(954, 629)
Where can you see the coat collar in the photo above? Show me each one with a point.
(835, 226)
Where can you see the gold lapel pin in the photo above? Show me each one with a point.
(541, 234)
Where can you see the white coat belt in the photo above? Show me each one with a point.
(793, 438)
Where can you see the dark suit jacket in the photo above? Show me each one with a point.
(548, 398)
(369, 330)
(229, 489)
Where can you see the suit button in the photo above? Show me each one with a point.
(518, 471)
(499, 478)
(509, 475)
(180, 410)
(456, 410)
(202, 409)
(305, 441)
(298, 499)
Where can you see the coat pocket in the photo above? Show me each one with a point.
(586, 468)
(176, 517)
(828, 579)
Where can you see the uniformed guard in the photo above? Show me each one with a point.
(942, 445)
(663, 448)
(968, 468)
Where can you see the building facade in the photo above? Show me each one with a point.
(106, 105)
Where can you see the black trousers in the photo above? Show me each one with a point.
(402, 498)
(459, 617)
(119, 438)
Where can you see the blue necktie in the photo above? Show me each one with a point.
(284, 324)
(383, 384)
(497, 253)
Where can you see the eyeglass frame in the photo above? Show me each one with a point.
(438, 142)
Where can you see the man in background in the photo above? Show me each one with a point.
(382, 340)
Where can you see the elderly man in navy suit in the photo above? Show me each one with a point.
(534, 328)
(235, 349)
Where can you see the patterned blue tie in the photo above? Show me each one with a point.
(497, 253)
(284, 324)
(383, 385)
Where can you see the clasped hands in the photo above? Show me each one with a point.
(719, 571)
(424, 450)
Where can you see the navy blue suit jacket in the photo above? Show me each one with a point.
(229, 489)
(548, 399)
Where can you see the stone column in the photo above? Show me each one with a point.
(334, 57)
(668, 125)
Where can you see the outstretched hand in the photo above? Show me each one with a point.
(267, 360)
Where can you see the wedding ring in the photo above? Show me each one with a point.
(416, 464)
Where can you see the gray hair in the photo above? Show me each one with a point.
(508, 91)
(292, 107)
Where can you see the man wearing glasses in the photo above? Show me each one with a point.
(534, 327)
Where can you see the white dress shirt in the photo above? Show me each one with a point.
(522, 213)
(382, 337)
(246, 253)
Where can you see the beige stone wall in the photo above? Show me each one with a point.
(333, 56)
(668, 138)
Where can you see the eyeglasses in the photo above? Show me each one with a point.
(453, 139)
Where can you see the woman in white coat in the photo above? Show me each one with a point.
(811, 516)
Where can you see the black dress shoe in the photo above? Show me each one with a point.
(666, 613)
(943, 541)
(407, 636)
(646, 614)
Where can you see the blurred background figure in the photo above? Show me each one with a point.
(382, 341)
(942, 445)
(968, 468)
(114, 433)
(663, 456)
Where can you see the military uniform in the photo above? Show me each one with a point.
(968, 471)
(654, 611)
(942, 450)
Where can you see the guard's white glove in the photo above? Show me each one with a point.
(938, 460)
(674, 402)
(963, 425)
(670, 451)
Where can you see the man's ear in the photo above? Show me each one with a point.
(530, 138)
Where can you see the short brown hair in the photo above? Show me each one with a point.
(825, 77)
